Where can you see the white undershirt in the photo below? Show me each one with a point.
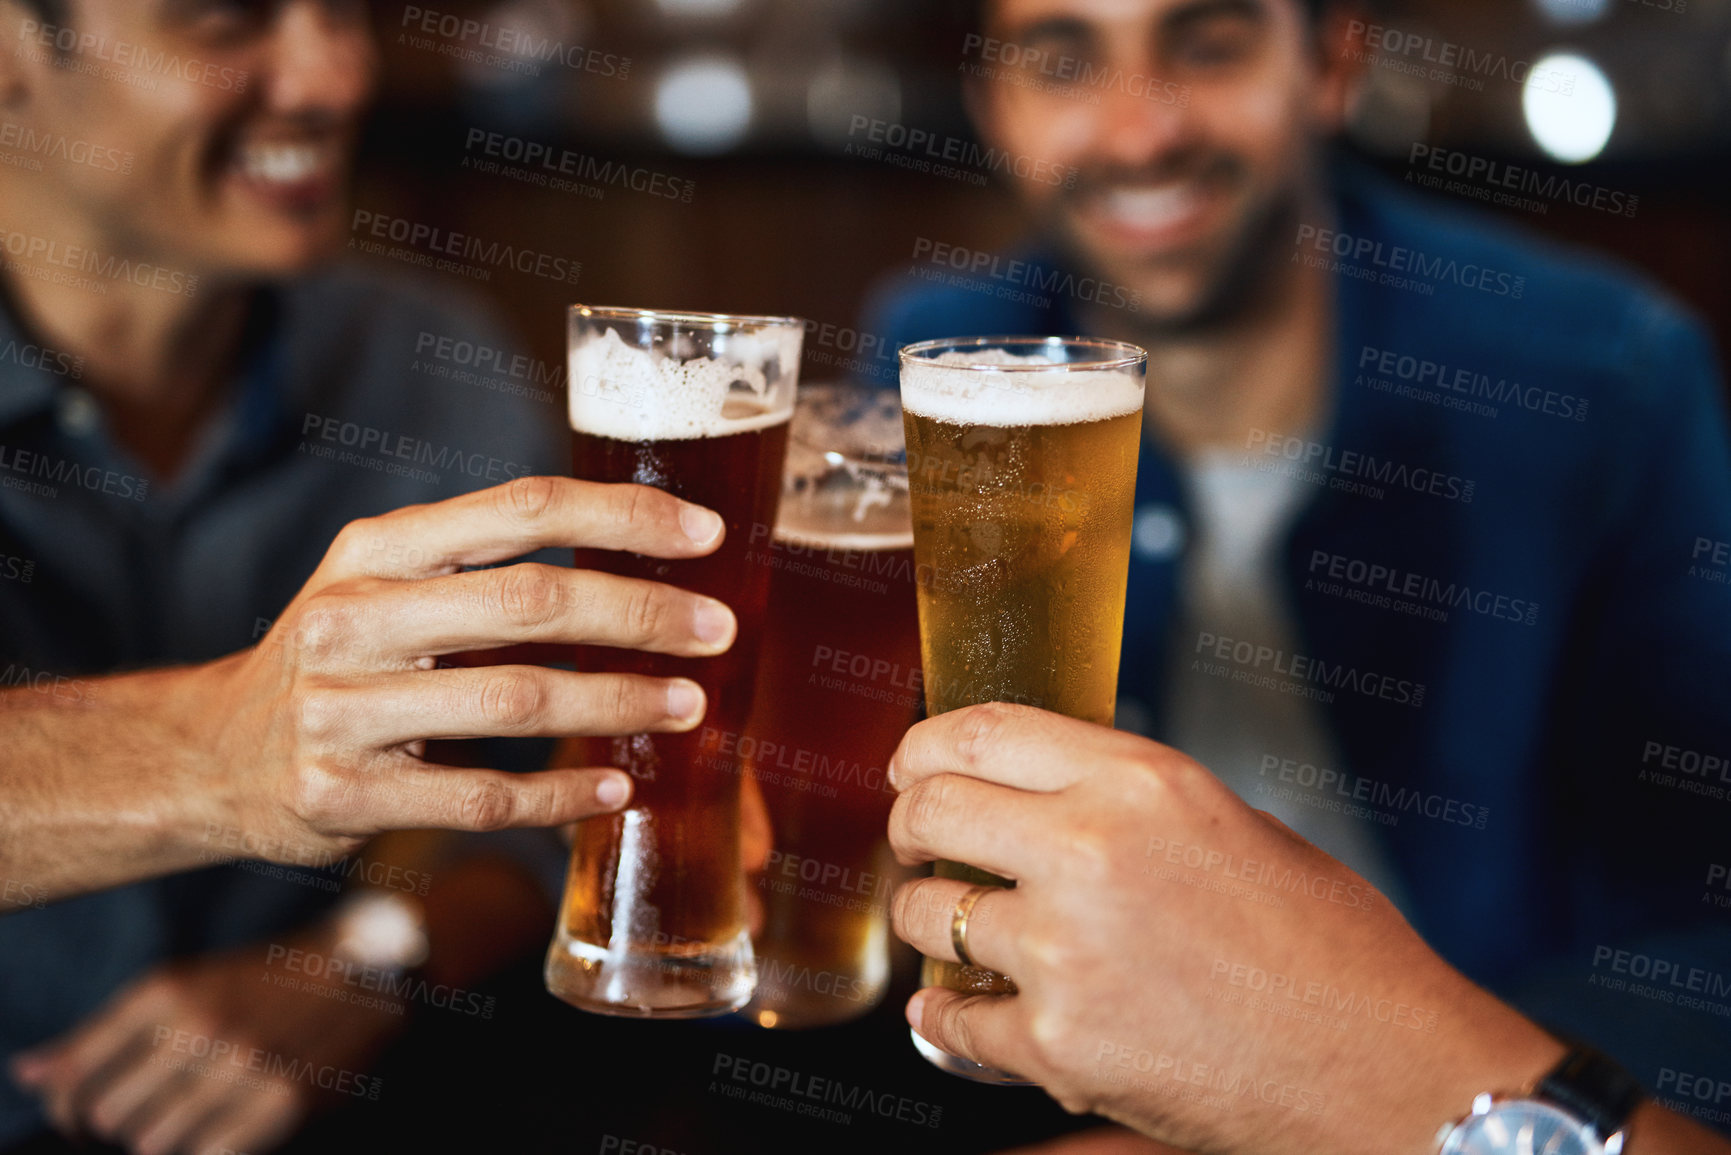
(1232, 584)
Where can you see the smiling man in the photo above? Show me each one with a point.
(241, 525)
(1191, 128)
(1419, 500)
(218, 169)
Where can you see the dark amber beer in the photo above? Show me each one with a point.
(838, 685)
(1022, 470)
(653, 920)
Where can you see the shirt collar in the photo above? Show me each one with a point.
(36, 378)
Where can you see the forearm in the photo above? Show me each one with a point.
(1495, 1048)
(1658, 1131)
(102, 787)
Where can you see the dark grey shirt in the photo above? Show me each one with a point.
(358, 396)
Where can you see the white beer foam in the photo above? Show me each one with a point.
(839, 490)
(944, 389)
(630, 394)
(869, 515)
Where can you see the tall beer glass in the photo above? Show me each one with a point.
(838, 684)
(1022, 469)
(653, 921)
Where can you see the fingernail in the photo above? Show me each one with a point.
(712, 622)
(700, 525)
(613, 790)
(685, 700)
(916, 1009)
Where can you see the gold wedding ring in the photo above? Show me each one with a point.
(959, 922)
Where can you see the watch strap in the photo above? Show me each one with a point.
(1595, 1087)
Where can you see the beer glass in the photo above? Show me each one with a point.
(1022, 472)
(652, 923)
(838, 684)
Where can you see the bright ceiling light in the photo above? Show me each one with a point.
(1570, 107)
(703, 104)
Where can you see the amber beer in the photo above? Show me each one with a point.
(653, 921)
(838, 686)
(1022, 470)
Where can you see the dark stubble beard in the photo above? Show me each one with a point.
(1238, 284)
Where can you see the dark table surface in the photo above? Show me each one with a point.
(539, 1076)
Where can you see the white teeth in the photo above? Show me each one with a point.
(283, 163)
(1146, 208)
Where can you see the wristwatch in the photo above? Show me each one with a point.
(1580, 1108)
(381, 928)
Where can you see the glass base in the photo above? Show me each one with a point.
(642, 983)
(966, 1068)
(795, 1014)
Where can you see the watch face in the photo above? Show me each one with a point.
(1522, 1127)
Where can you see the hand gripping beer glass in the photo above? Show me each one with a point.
(838, 684)
(652, 923)
(1022, 470)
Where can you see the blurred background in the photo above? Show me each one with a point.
(706, 161)
(719, 155)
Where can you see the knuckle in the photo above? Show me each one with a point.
(319, 796)
(319, 713)
(929, 804)
(487, 805)
(905, 905)
(983, 729)
(628, 504)
(932, 904)
(647, 509)
(956, 1027)
(1163, 772)
(1149, 783)
(528, 595)
(646, 612)
(356, 541)
(527, 499)
(1087, 855)
(1051, 950)
(541, 806)
(622, 702)
(323, 626)
(342, 846)
(516, 701)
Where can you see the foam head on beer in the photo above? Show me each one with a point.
(633, 394)
(846, 483)
(990, 386)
